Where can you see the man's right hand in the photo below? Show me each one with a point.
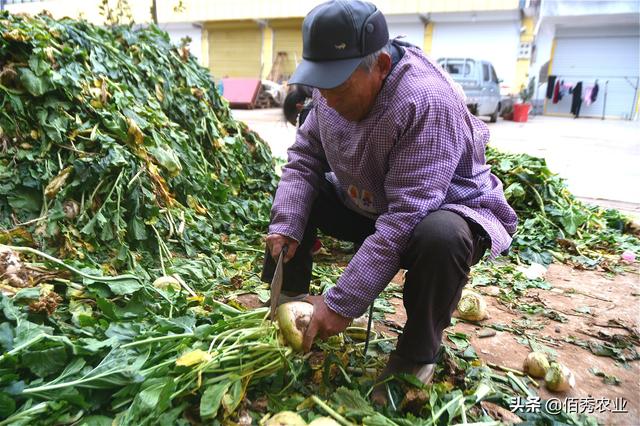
(275, 244)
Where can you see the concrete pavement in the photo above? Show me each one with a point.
(599, 159)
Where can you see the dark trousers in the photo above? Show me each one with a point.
(440, 252)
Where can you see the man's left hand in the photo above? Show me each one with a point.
(324, 322)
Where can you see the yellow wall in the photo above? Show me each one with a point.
(267, 51)
(235, 49)
(428, 38)
(204, 47)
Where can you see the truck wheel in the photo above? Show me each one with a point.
(494, 117)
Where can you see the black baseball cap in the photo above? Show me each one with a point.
(336, 35)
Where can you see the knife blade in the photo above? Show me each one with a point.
(276, 283)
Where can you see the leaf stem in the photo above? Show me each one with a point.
(69, 267)
(331, 411)
(156, 339)
(23, 346)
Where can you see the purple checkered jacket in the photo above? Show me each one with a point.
(418, 150)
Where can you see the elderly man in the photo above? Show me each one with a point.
(389, 158)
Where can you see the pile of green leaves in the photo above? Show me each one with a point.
(117, 350)
(552, 222)
(116, 148)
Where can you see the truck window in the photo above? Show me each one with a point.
(459, 69)
(494, 77)
(486, 75)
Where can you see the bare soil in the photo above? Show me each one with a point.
(608, 297)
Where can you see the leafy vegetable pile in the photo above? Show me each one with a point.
(116, 148)
(553, 223)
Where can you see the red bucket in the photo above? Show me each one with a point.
(521, 112)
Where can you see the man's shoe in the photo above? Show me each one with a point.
(398, 365)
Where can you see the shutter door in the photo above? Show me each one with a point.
(612, 58)
(235, 52)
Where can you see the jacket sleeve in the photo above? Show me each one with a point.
(421, 167)
(300, 179)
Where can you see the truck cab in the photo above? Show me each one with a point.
(480, 84)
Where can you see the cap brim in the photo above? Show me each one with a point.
(325, 74)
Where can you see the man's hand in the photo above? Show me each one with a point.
(275, 243)
(324, 322)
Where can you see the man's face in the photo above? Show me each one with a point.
(354, 98)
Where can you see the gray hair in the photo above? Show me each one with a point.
(369, 61)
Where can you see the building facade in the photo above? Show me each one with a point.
(593, 43)
(573, 40)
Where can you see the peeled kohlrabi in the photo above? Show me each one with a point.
(293, 319)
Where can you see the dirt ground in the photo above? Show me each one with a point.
(596, 307)
(607, 298)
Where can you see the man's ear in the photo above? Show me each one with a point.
(384, 63)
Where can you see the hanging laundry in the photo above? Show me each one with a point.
(565, 88)
(551, 83)
(556, 92)
(594, 92)
(587, 95)
(576, 101)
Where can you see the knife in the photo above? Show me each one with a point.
(276, 283)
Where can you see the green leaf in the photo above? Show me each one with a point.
(154, 397)
(461, 340)
(138, 229)
(378, 419)
(45, 362)
(35, 85)
(96, 421)
(410, 379)
(26, 331)
(81, 313)
(26, 200)
(9, 310)
(233, 397)
(212, 398)
(28, 294)
(7, 405)
(124, 286)
(167, 158)
(6, 336)
(606, 378)
(108, 309)
(514, 191)
(92, 345)
(352, 403)
(38, 65)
